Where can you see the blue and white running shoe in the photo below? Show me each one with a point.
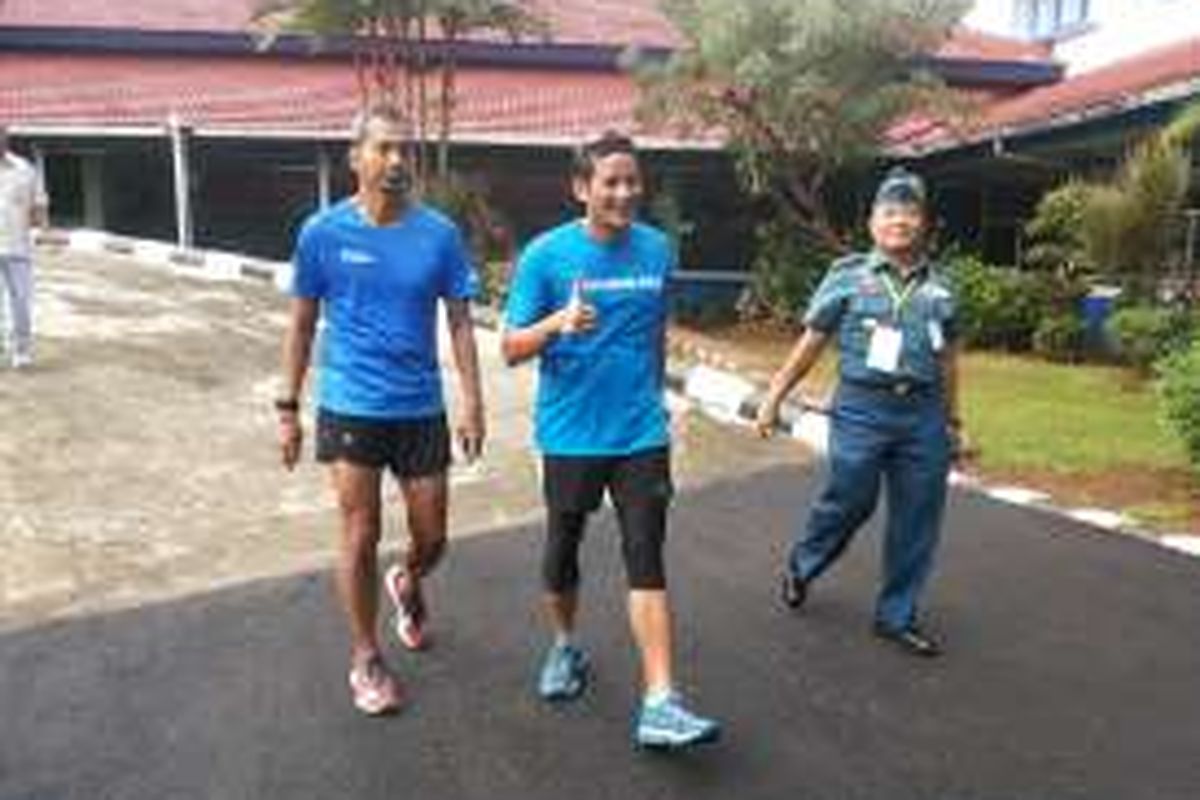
(564, 673)
(669, 725)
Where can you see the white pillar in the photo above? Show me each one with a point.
(39, 165)
(183, 205)
(324, 177)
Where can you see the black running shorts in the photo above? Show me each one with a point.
(410, 448)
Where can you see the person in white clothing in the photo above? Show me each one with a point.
(23, 206)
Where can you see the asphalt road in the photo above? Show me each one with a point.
(1073, 671)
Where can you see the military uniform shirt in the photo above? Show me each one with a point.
(854, 299)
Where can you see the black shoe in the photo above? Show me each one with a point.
(793, 590)
(910, 639)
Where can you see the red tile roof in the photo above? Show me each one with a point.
(573, 21)
(258, 95)
(613, 22)
(155, 15)
(1171, 71)
(264, 93)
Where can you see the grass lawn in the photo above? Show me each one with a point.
(1084, 434)
(1087, 435)
(1029, 414)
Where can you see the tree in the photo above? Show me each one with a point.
(391, 43)
(1055, 233)
(1121, 228)
(801, 89)
(383, 35)
(1127, 223)
(458, 19)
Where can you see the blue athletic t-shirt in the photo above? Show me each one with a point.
(379, 287)
(599, 392)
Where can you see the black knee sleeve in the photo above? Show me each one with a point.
(643, 534)
(560, 559)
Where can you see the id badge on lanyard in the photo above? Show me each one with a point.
(886, 343)
(887, 339)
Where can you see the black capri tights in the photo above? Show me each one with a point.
(640, 486)
(643, 534)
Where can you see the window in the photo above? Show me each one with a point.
(1046, 19)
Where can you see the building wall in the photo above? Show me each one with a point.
(1115, 29)
(252, 196)
(1126, 27)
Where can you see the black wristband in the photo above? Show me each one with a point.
(287, 404)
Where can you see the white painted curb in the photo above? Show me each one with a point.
(723, 395)
(217, 265)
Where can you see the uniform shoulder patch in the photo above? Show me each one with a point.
(849, 261)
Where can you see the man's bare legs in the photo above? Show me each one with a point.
(357, 490)
(425, 499)
(561, 609)
(374, 689)
(650, 620)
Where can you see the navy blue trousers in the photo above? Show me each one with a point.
(903, 443)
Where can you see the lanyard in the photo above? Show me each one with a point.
(899, 298)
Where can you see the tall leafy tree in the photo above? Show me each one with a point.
(1121, 228)
(458, 19)
(1127, 222)
(393, 56)
(801, 89)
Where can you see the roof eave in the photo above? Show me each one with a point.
(528, 54)
(650, 142)
(1167, 93)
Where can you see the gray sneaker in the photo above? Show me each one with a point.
(564, 673)
(669, 725)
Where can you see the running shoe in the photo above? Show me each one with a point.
(564, 673)
(410, 614)
(669, 725)
(373, 689)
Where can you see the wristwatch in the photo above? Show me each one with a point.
(290, 404)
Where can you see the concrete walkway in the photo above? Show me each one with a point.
(138, 458)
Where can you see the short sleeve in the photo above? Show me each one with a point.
(951, 328)
(670, 262)
(460, 281)
(308, 273)
(527, 295)
(828, 302)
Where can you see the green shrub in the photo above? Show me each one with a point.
(788, 265)
(1055, 234)
(1000, 307)
(1179, 395)
(1145, 334)
(467, 203)
(1059, 337)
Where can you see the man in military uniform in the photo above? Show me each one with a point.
(895, 415)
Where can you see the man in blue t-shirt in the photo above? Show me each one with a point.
(374, 268)
(589, 300)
